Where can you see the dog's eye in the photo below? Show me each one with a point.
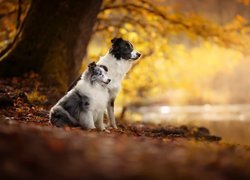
(97, 72)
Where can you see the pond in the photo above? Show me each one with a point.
(231, 122)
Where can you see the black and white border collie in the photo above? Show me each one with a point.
(118, 60)
(86, 102)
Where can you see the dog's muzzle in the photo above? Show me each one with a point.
(135, 55)
(108, 81)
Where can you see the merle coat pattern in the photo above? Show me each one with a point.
(86, 102)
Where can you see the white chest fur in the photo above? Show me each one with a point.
(117, 69)
(97, 94)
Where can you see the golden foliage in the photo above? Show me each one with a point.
(35, 96)
(10, 19)
(184, 76)
(245, 2)
(182, 53)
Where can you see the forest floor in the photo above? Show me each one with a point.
(31, 148)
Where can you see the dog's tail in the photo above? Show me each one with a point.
(60, 118)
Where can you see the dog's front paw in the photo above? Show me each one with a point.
(107, 125)
(114, 126)
(106, 131)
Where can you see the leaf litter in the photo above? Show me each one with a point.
(30, 147)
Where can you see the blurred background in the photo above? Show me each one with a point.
(195, 64)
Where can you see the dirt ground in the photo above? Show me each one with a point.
(31, 148)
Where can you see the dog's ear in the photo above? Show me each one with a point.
(92, 65)
(104, 67)
(114, 40)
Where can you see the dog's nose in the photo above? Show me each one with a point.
(138, 54)
(109, 80)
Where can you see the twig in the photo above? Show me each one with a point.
(19, 13)
(11, 45)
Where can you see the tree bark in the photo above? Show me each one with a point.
(53, 40)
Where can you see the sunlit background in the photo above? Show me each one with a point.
(195, 63)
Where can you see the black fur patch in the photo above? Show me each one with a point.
(92, 65)
(75, 104)
(121, 49)
(60, 119)
(104, 67)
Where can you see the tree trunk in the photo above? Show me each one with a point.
(53, 40)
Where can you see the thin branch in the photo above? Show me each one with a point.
(154, 11)
(12, 44)
(19, 13)
(126, 19)
(202, 29)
